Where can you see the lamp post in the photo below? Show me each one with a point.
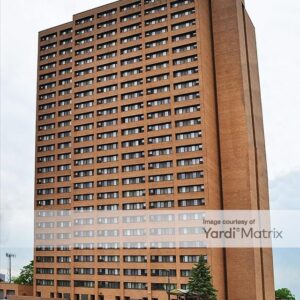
(9, 256)
(168, 287)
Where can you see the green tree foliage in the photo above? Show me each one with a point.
(285, 294)
(26, 275)
(200, 282)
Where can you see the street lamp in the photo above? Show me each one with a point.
(168, 287)
(9, 256)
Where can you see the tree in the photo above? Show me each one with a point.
(285, 294)
(200, 282)
(26, 275)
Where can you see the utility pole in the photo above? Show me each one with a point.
(9, 256)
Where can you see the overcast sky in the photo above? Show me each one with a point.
(277, 25)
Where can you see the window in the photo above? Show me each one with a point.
(133, 143)
(159, 102)
(109, 258)
(132, 119)
(49, 37)
(84, 138)
(190, 161)
(131, 72)
(84, 61)
(110, 195)
(131, 83)
(161, 165)
(84, 41)
(163, 272)
(157, 66)
(107, 24)
(49, 46)
(131, 6)
(83, 197)
(159, 114)
(107, 100)
(159, 178)
(189, 122)
(134, 206)
(134, 180)
(132, 95)
(84, 30)
(130, 131)
(189, 148)
(188, 135)
(109, 284)
(106, 112)
(190, 175)
(130, 27)
(106, 135)
(84, 127)
(180, 3)
(161, 204)
(159, 152)
(135, 258)
(107, 66)
(161, 191)
(156, 43)
(134, 193)
(107, 13)
(84, 82)
(130, 17)
(66, 31)
(187, 109)
(183, 25)
(182, 13)
(160, 139)
(135, 285)
(84, 20)
(186, 84)
(105, 147)
(158, 78)
(185, 60)
(108, 207)
(191, 189)
(107, 89)
(131, 38)
(106, 34)
(48, 66)
(133, 168)
(156, 31)
(189, 258)
(84, 173)
(107, 45)
(107, 55)
(155, 10)
(111, 182)
(83, 105)
(131, 61)
(185, 48)
(185, 72)
(159, 127)
(83, 162)
(107, 77)
(109, 158)
(156, 20)
(107, 123)
(105, 171)
(84, 94)
(106, 271)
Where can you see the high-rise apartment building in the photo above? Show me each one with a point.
(150, 104)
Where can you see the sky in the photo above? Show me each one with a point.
(277, 25)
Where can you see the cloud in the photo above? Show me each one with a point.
(277, 28)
